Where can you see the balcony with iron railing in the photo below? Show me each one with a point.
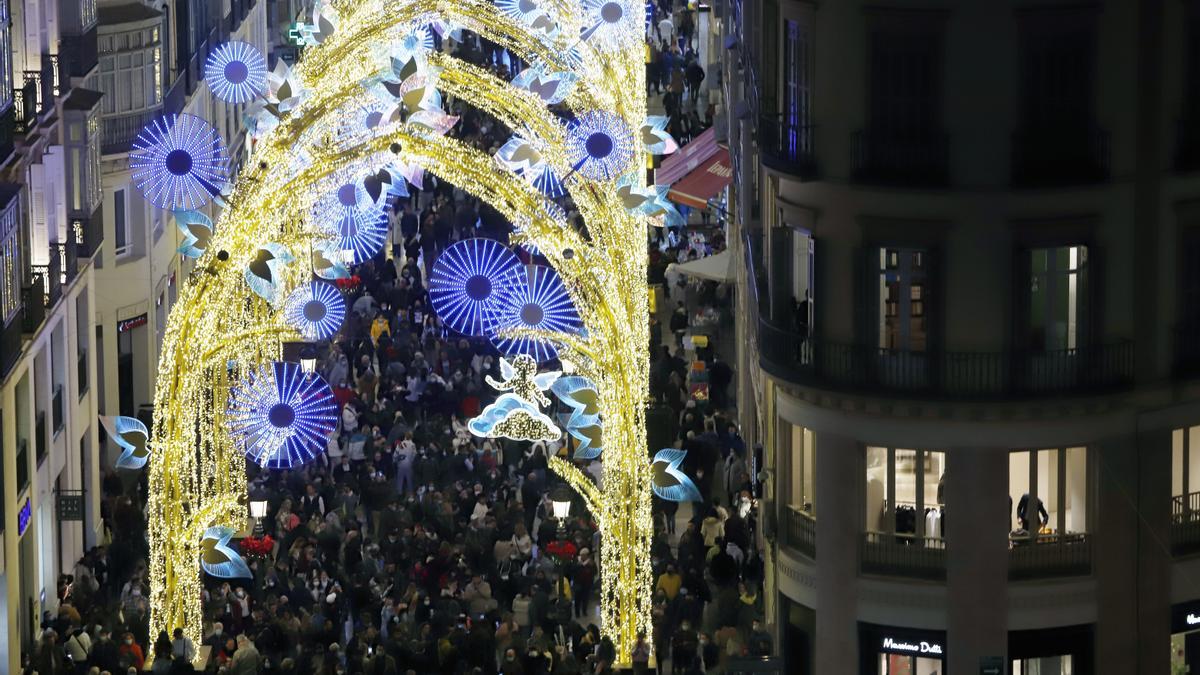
(88, 234)
(1185, 524)
(1049, 555)
(10, 344)
(903, 555)
(787, 146)
(67, 253)
(831, 364)
(79, 54)
(33, 303)
(25, 107)
(800, 530)
(1060, 156)
(919, 159)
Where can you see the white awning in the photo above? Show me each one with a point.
(718, 267)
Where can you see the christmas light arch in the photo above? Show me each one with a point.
(220, 331)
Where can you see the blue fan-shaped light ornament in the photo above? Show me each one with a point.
(610, 24)
(601, 144)
(668, 481)
(541, 303)
(357, 222)
(236, 72)
(579, 394)
(129, 434)
(263, 273)
(327, 263)
(468, 281)
(280, 416)
(179, 162)
(551, 87)
(316, 309)
(218, 558)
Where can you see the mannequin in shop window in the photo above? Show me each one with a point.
(1022, 513)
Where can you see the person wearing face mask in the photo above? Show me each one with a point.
(239, 610)
(129, 653)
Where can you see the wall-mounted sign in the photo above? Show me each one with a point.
(991, 665)
(1185, 617)
(23, 517)
(70, 506)
(922, 647)
(132, 322)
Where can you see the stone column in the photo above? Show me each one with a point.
(975, 525)
(839, 524)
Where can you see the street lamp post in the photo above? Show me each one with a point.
(560, 501)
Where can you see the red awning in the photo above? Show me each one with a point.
(697, 172)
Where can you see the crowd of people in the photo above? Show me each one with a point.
(413, 546)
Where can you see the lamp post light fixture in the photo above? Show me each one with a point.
(258, 509)
(560, 501)
(308, 359)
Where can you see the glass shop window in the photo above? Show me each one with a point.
(905, 491)
(1048, 493)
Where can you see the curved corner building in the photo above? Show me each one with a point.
(969, 239)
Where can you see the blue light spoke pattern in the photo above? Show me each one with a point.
(236, 72)
(280, 416)
(469, 280)
(179, 162)
(316, 309)
(540, 303)
(601, 145)
(356, 222)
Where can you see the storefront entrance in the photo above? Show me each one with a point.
(1051, 651)
(890, 650)
(1185, 637)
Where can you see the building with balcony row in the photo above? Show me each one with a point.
(967, 237)
(88, 269)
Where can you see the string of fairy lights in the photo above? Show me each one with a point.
(361, 114)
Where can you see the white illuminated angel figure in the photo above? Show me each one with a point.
(522, 378)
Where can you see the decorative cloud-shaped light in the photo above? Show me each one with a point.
(236, 72)
(514, 418)
(179, 162)
(218, 558)
(131, 436)
(316, 309)
(669, 481)
(600, 144)
(195, 228)
(468, 282)
(357, 222)
(541, 303)
(280, 416)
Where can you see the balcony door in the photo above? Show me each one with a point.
(903, 335)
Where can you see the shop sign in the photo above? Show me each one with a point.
(129, 324)
(70, 507)
(919, 647)
(1185, 617)
(23, 517)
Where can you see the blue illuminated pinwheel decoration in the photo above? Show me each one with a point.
(468, 282)
(668, 481)
(280, 416)
(179, 162)
(358, 222)
(600, 144)
(263, 272)
(131, 436)
(541, 303)
(236, 72)
(523, 158)
(316, 309)
(218, 558)
(532, 13)
(414, 42)
(609, 22)
(195, 228)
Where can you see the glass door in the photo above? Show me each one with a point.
(903, 326)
